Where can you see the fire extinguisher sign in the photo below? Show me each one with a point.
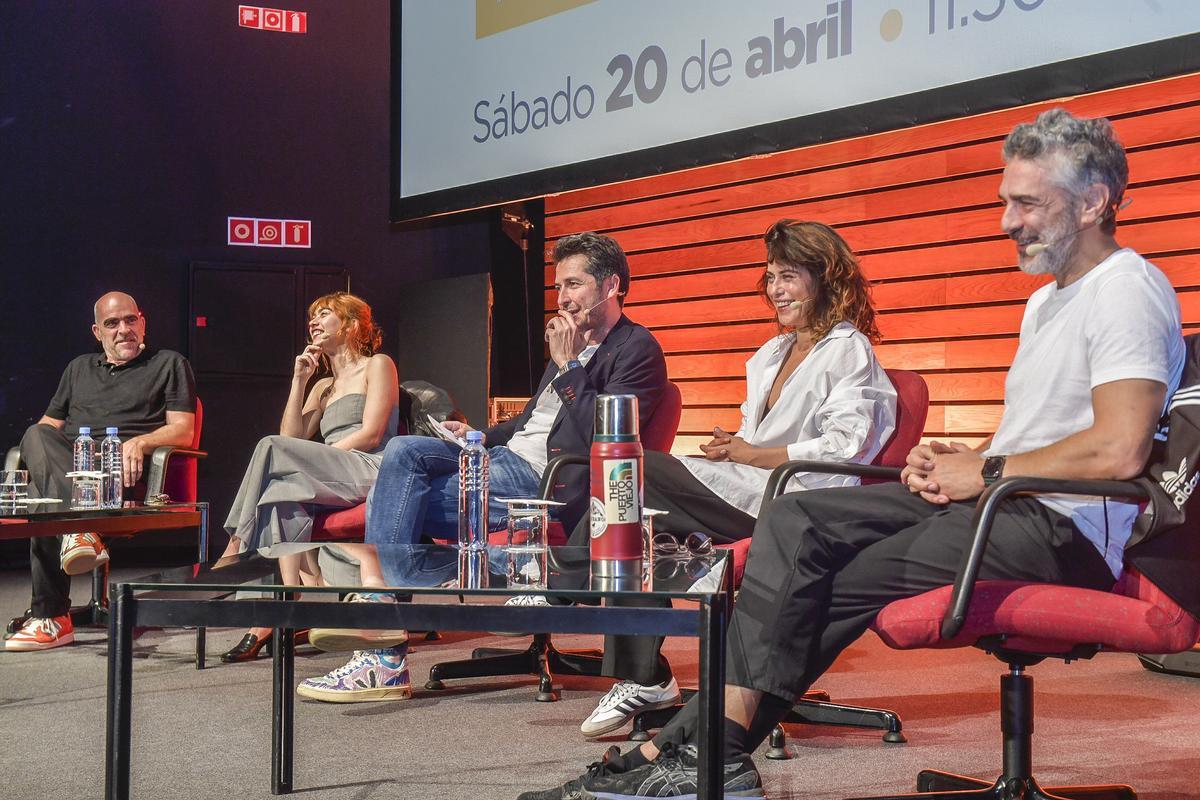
(273, 19)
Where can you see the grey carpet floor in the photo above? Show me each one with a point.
(206, 734)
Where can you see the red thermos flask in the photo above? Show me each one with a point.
(616, 507)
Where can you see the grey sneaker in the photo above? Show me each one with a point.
(571, 790)
(673, 774)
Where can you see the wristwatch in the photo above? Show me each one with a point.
(571, 364)
(993, 469)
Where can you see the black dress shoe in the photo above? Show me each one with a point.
(247, 649)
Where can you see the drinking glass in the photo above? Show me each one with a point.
(14, 485)
(526, 549)
(648, 515)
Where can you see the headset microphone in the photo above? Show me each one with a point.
(1036, 249)
(141, 346)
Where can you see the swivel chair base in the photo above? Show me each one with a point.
(1017, 781)
(814, 708)
(540, 659)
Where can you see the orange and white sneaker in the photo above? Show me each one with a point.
(42, 633)
(82, 552)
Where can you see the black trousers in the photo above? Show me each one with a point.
(668, 486)
(47, 454)
(823, 563)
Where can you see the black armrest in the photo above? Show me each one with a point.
(784, 472)
(12, 459)
(160, 459)
(985, 513)
(546, 487)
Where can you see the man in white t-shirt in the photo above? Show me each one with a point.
(1100, 352)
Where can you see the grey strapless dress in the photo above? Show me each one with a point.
(289, 480)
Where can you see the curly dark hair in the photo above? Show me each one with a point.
(843, 291)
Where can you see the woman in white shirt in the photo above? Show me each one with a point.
(815, 391)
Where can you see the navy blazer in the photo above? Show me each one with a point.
(628, 361)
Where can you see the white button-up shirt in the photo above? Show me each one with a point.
(838, 405)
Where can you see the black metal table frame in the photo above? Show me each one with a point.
(707, 622)
(58, 522)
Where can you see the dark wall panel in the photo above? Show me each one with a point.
(130, 130)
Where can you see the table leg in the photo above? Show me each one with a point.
(711, 728)
(283, 709)
(120, 688)
(202, 555)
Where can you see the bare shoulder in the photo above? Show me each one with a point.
(381, 369)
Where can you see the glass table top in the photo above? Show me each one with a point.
(430, 569)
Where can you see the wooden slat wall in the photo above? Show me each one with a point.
(919, 207)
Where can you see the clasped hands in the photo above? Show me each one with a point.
(941, 472)
(726, 447)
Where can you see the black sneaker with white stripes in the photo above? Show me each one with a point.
(673, 774)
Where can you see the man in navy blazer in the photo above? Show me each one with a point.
(594, 349)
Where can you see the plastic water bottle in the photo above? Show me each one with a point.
(473, 493)
(111, 464)
(84, 492)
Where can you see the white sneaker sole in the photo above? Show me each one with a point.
(83, 560)
(601, 728)
(355, 695)
(339, 640)
(23, 646)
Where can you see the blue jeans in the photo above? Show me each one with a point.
(416, 495)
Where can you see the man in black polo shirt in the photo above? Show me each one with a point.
(150, 396)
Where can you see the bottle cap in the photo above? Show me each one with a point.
(84, 430)
(616, 418)
(110, 431)
(474, 436)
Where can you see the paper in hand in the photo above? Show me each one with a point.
(444, 433)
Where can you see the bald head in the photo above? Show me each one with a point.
(114, 300)
(119, 327)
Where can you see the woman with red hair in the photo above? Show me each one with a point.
(354, 408)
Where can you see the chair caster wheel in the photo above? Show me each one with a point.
(432, 684)
(894, 737)
(547, 697)
(777, 742)
(432, 636)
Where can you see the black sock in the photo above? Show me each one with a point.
(770, 712)
(734, 746)
(630, 760)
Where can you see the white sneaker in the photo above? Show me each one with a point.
(626, 699)
(522, 600)
(335, 640)
(82, 552)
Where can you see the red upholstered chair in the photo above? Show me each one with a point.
(658, 433)
(815, 708)
(170, 470)
(1024, 623)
